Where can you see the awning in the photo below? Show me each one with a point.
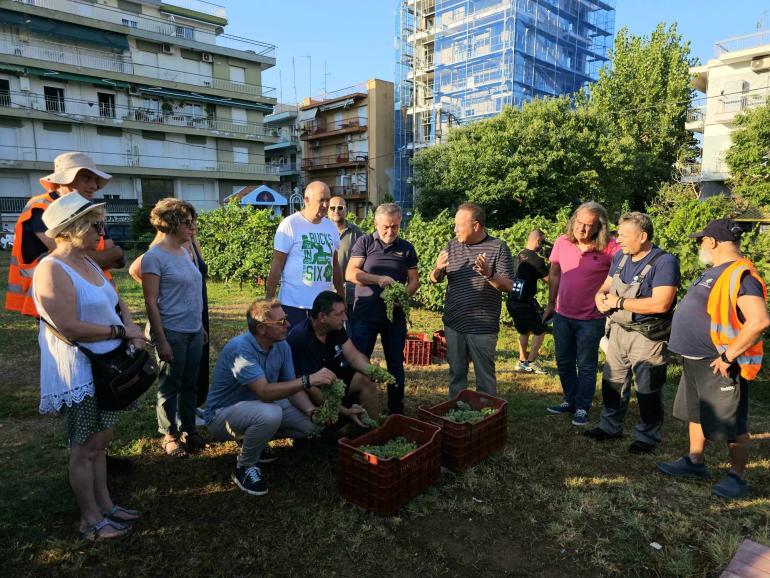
(195, 97)
(55, 74)
(12, 68)
(309, 114)
(64, 30)
(340, 104)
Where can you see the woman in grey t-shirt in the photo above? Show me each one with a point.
(171, 283)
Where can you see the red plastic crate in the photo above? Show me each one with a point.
(417, 349)
(466, 444)
(383, 486)
(439, 344)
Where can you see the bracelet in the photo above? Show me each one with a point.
(112, 332)
(724, 358)
(305, 382)
(621, 303)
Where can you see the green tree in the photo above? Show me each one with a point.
(749, 156)
(644, 96)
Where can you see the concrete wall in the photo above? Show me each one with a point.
(380, 139)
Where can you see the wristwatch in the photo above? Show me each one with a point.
(724, 358)
(306, 382)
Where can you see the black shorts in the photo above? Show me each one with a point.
(719, 404)
(527, 316)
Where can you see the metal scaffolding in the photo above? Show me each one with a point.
(459, 61)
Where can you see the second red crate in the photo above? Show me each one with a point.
(417, 350)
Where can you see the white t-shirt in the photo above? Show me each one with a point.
(309, 263)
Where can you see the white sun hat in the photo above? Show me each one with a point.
(66, 167)
(65, 210)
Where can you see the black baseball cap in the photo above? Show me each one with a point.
(721, 230)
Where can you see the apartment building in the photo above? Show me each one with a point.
(153, 90)
(347, 142)
(463, 60)
(736, 80)
(284, 157)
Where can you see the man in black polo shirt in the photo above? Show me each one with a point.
(526, 312)
(321, 341)
(377, 260)
(478, 268)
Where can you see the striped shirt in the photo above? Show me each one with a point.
(472, 305)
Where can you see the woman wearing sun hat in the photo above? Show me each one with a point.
(73, 172)
(71, 292)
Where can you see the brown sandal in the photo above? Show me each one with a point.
(177, 451)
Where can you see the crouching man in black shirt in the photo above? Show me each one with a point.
(321, 341)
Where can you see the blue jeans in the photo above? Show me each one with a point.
(393, 337)
(577, 357)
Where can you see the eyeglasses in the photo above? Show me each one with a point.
(188, 222)
(282, 321)
(99, 227)
(338, 208)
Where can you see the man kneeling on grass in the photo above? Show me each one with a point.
(322, 342)
(255, 394)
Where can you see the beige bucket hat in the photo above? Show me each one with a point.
(64, 210)
(67, 165)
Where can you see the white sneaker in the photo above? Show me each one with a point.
(523, 367)
(535, 367)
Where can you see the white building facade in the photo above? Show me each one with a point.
(154, 91)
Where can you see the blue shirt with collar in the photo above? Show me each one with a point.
(241, 362)
(393, 260)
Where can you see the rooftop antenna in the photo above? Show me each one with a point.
(326, 75)
(761, 20)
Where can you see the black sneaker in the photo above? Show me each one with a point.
(639, 447)
(249, 479)
(268, 456)
(599, 435)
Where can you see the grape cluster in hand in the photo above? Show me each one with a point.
(395, 294)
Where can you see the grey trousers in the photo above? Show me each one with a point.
(631, 357)
(258, 422)
(178, 383)
(461, 348)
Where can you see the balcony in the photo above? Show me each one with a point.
(695, 119)
(51, 54)
(164, 27)
(283, 169)
(318, 163)
(107, 113)
(690, 172)
(739, 103)
(321, 127)
(202, 164)
(350, 191)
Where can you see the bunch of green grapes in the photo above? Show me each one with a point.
(395, 294)
(464, 413)
(365, 418)
(378, 374)
(395, 448)
(329, 411)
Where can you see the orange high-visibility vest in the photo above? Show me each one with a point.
(18, 297)
(722, 307)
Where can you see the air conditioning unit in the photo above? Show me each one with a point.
(761, 64)
(206, 57)
(133, 89)
(168, 49)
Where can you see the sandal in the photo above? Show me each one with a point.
(122, 515)
(194, 442)
(176, 451)
(96, 533)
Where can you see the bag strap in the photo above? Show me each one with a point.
(648, 267)
(84, 350)
(622, 264)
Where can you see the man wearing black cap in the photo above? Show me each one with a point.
(717, 330)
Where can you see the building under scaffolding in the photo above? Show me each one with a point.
(462, 60)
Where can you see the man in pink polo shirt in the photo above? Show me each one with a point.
(580, 261)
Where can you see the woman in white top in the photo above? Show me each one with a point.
(73, 295)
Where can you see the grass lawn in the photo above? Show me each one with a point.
(553, 503)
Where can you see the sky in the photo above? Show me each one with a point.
(332, 44)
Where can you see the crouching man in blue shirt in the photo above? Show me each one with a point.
(255, 395)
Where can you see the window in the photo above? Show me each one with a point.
(57, 126)
(187, 32)
(109, 131)
(5, 92)
(238, 74)
(238, 115)
(129, 23)
(54, 98)
(194, 139)
(106, 104)
(151, 104)
(240, 154)
(153, 135)
(193, 109)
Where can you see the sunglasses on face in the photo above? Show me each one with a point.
(99, 227)
(338, 208)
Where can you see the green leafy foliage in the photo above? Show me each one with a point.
(395, 295)
(142, 230)
(395, 448)
(429, 237)
(237, 242)
(749, 156)
(379, 375)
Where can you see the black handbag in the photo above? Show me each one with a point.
(121, 376)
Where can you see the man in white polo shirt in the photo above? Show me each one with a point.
(305, 256)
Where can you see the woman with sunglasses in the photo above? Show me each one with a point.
(172, 286)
